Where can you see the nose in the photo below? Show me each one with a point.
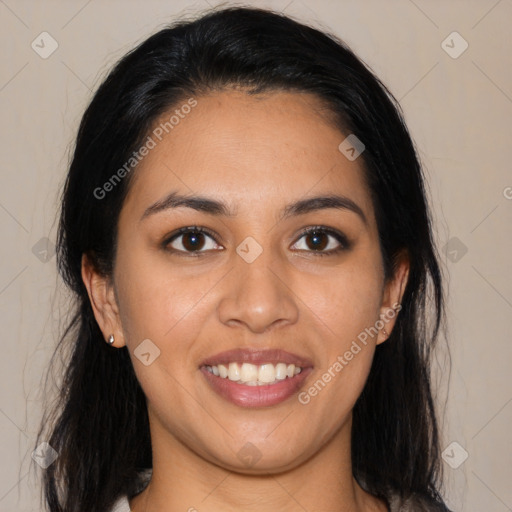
(258, 296)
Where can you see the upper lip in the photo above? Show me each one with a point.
(257, 357)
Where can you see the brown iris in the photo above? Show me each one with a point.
(316, 236)
(193, 241)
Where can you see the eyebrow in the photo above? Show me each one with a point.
(218, 208)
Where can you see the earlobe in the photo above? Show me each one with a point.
(392, 297)
(103, 302)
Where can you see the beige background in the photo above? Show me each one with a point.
(459, 113)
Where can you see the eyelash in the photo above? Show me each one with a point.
(342, 239)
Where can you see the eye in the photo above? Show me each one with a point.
(193, 239)
(323, 241)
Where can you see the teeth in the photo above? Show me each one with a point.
(281, 371)
(254, 375)
(233, 372)
(223, 371)
(267, 373)
(248, 372)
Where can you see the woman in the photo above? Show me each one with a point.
(245, 229)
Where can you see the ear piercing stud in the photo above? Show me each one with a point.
(110, 340)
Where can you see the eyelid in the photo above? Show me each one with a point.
(340, 237)
(188, 229)
(343, 241)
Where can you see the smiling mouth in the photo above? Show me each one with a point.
(254, 375)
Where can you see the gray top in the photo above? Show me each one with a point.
(411, 504)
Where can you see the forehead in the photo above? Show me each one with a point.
(249, 150)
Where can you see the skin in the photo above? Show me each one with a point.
(256, 154)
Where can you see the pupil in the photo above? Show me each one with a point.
(315, 236)
(194, 239)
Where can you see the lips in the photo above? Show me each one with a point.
(261, 395)
(257, 357)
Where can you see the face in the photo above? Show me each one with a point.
(248, 277)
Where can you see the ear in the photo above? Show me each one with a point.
(392, 295)
(103, 301)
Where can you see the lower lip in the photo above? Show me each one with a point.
(256, 396)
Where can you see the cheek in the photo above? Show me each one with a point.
(348, 301)
(345, 309)
(166, 308)
(154, 301)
